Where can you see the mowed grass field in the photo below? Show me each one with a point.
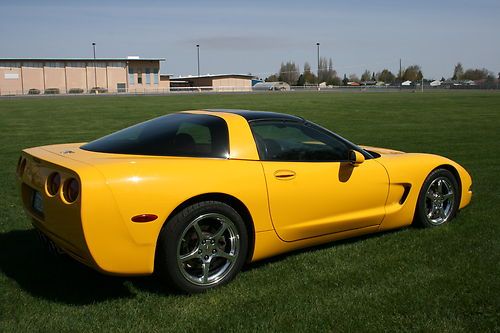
(446, 279)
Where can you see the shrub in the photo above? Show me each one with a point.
(34, 91)
(99, 90)
(76, 91)
(51, 91)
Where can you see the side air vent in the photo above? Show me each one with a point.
(407, 188)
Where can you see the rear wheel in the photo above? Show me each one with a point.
(203, 246)
(438, 200)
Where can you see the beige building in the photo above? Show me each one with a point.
(81, 75)
(215, 82)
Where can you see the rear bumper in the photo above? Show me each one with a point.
(91, 229)
(58, 245)
(58, 220)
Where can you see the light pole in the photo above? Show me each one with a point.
(317, 45)
(400, 75)
(198, 53)
(95, 69)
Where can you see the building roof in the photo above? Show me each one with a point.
(82, 59)
(210, 76)
(259, 115)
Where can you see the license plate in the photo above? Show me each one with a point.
(37, 202)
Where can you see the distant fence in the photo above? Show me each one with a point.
(394, 88)
(232, 89)
(127, 91)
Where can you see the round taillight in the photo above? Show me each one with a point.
(71, 190)
(53, 183)
(22, 166)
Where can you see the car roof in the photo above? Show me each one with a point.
(250, 115)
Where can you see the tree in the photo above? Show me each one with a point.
(365, 76)
(476, 74)
(301, 81)
(345, 80)
(326, 72)
(353, 78)
(411, 73)
(322, 70)
(489, 82)
(309, 77)
(272, 78)
(399, 77)
(373, 77)
(458, 73)
(386, 76)
(334, 81)
(331, 77)
(420, 76)
(289, 73)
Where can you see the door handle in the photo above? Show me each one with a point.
(284, 174)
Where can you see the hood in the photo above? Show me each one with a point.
(382, 151)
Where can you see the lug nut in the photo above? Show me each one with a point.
(206, 257)
(203, 242)
(214, 250)
(199, 251)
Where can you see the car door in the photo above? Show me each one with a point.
(313, 189)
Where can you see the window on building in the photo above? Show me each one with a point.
(131, 80)
(139, 78)
(156, 75)
(148, 76)
(116, 64)
(33, 64)
(54, 64)
(8, 64)
(76, 64)
(121, 87)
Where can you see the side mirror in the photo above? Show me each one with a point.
(355, 157)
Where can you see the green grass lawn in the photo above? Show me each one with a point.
(445, 279)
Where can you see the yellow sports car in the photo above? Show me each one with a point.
(196, 194)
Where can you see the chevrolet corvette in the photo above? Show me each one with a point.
(195, 195)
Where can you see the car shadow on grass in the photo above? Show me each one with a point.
(64, 280)
(55, 278)
(328, 245)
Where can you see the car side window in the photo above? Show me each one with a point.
(294, 141)
(200, 133)
(192, 135)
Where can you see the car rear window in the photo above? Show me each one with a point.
(180, 134)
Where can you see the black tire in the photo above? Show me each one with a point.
(203, 246)
(438, 200)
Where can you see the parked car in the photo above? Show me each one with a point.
(195, 195)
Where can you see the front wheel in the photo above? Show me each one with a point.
(438, 199)
(203, 246)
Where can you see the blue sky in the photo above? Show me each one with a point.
(256, 36)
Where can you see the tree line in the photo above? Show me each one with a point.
(290, 73)
(474, 74)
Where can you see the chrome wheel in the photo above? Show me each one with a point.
(439, 201)
(208, 249)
